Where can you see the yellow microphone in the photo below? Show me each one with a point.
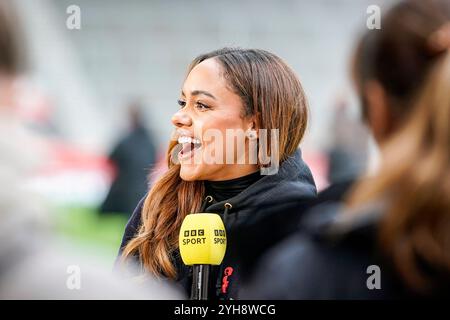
(202, 242)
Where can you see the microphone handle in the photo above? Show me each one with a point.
(200, 281)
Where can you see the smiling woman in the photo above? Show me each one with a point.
(228, 90)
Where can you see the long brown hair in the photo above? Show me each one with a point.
(269, 90)
(410, 58)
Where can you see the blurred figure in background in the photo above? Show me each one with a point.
(133, 157)
(392, 236)
(348, 155)
(32, 266)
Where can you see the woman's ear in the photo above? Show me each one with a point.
(254, 122)
(379, 116)
(252, 128)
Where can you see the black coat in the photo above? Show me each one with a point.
(261, 215)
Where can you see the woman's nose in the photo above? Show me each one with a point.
(181, 119)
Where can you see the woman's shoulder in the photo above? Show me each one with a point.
(133, 224)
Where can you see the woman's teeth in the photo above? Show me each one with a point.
(185, 139)
(189, 145)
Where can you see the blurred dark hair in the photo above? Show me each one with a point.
(401, 54)
(410, 58)
(11, 59)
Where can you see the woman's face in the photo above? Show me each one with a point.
(208, 109)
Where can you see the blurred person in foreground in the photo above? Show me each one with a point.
(133, 158)
(391, 237)
(32, 266)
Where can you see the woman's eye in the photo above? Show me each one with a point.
(181, 103)
(202, 106)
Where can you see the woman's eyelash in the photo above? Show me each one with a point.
(199, 105)
(202, 106)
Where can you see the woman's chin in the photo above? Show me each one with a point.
(189, 173)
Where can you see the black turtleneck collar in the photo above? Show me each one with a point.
(223, 190)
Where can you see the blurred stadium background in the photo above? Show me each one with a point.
(78, 84)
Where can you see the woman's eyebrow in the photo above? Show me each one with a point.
(198, 92)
